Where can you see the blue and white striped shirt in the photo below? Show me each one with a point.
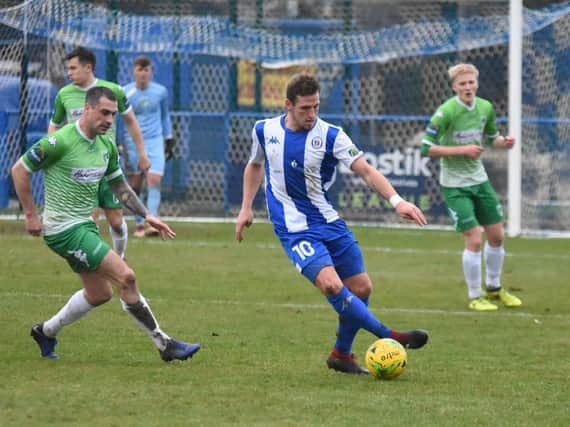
(299, 169)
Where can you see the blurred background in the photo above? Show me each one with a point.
(382, 66)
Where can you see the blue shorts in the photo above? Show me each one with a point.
(328, 244)
(155, 152)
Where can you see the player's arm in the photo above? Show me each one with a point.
(136, 134)
(252, 179)
(58, 116)
(166, 126)
(379, 183)
(492, 134)
(437, 127)
(22, 185)
(472, 151)
(128, 198)
(505, 142)
(41, 155)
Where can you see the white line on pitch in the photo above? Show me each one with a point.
(510, 313)
(383, 249)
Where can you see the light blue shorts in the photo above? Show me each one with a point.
(155, 152)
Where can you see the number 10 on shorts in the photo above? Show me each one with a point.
(303, 249)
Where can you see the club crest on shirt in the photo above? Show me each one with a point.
(316, 142)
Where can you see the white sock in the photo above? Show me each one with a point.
(494, 257)
(75, 308)
(120, 240)
(142, 315)
(472, 273)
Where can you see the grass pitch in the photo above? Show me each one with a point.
(266, 334)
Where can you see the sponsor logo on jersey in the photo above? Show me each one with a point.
(316, 143)
(37, 155)
(432, 130)
(75, 113)
(467, 137)
(87, 175)
(353, 151)
(273, 140)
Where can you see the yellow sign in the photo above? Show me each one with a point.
(273, 84)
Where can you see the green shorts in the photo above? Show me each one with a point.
(106, 198)
(81, 246)
(472, 206)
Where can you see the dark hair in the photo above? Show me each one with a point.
(94, 94)
(302, 84)
(85, 56)
(142, 61)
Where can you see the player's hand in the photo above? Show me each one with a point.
(33, 224)
(410, 211)
(169, 148)
(144, 163)
(164, 230)
(244, 219)
(509, 142)
(473, 151)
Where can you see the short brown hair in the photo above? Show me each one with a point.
(142, 61)
(302, 84)
(83, 55)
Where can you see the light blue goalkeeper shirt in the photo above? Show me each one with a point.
(151, 110)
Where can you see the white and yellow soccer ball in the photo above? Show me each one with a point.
(386, 359)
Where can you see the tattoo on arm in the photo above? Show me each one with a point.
(128, 198)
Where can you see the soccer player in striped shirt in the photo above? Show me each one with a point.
(69, 103)
(298, 153)
(74, 160)
(457, 134)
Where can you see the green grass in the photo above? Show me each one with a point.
(266, 333)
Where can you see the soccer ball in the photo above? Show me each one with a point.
(386, 359)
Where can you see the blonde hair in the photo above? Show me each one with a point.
(458, 69)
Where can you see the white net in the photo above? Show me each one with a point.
(226, 63)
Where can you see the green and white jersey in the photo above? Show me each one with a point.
(73, 165)
(70, 101)
(456, 124)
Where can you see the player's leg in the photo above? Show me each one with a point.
(153, 198)
(136, 182)
(461, 210)
(113, 209)
(155, 151)
(116, 270)
(83, 249)
(490, 214)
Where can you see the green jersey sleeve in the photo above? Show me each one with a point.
(43, 153)
(437, 126)
(114, 172)
(58, 116)
(490, 130)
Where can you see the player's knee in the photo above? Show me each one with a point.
(330, 287)
(100, 297)
(127, 279)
